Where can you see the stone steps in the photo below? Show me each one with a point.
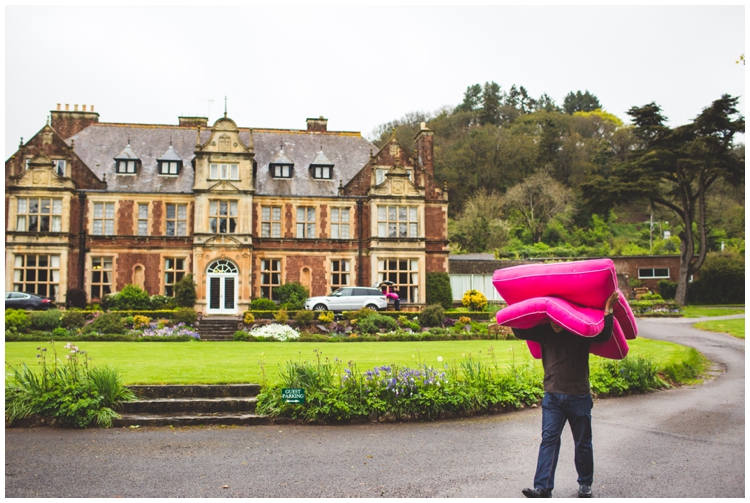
(218, 329)
(174, 405)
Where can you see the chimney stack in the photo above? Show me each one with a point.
(319, 125)
(68, 123)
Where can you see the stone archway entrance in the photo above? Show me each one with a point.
(221, 287)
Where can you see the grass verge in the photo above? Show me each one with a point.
(735, 328)
(705, 311)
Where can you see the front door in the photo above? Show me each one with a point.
(221, 286)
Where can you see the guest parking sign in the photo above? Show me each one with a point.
(293, 395)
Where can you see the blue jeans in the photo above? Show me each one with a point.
(556, 410)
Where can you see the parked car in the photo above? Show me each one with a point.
(350, 298)
(20, 300)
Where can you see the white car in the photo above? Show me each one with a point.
(350, 298)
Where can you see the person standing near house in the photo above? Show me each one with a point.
(567, 397)
(396, 298)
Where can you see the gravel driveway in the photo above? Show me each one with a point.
(687, 442)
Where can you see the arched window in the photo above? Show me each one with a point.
(222, 267)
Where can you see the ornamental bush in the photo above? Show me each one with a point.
(17, 320)
(75, 297)
(248, 318)
(667, 289)
(184, 292)
(263, 305)
(326, 317)
(130, 298)
(438, 289)
(432, 316)
(292, 296)
(73, 319)
(474, 300)
(721, 280)
(186, 315)
(377, 323)
(106, 323)
(45, 320)
(304, 317)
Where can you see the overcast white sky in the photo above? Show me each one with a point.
(358, 66)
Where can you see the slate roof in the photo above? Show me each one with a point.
(100, 143)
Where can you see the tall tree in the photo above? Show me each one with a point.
(676, 168)
(580, 102)
(536, 201)
(472, 99)
(490, 104)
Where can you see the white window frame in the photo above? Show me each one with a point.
(306, 227)
(178, 220)
(396, 221)
(224, 171)
(270, 221)
(340, 223)
(340, 273)
(24, 280)
(270, 277)
(653, 272)
(103, 220)
(53, 215)
(175, 269)
(141, 226)
(223, 216)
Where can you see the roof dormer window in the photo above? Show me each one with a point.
(127, 162)
(281, 166)
(170, 163)
(321, 167)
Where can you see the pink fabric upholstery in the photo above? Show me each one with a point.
(616, 348)
(584, 321)
(587, 283)
(573, 294)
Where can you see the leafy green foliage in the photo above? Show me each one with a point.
(292, 295)
(263, 305)
(186, 315)
(45, 320)
(71, 392)
(432, 316)
(304, 317)
(184, 292)
(17, 320)
(721, 280)
(376, 323)
(106, 323)
(130, 297)
(667, 289)
(438, 289)
(72, 319)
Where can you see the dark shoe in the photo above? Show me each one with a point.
(584, 491)
(536, 493)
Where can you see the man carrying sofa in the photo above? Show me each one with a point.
(567, 397)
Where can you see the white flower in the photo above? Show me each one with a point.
(440, 358)
(276, 332)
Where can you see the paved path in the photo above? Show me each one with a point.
(687, 442)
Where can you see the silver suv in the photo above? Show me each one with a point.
(350, 298)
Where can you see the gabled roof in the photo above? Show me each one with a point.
(282, 158)
(126, 154)
(321, 160)
(170, 155)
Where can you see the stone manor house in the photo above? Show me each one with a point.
(95, 206)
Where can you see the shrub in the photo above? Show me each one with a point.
(72, 392)
(464, 320)
(75, 297)
(186, 315)
(377, 323)
(282, 316)
(263, 305)
(17, 320)
(106, 323)
(438, 289)
(184, 292)
(45, 320)
(60, 333)
(667, 289)
(248, 318)
(129, 298)
(140, 321)
(72, 319)
(304, 317)
(159, 302)
(292, 295)
(721, 280)
(474, 300)
(359, 314)
(651, 296)
(326, 317)
(432, 316)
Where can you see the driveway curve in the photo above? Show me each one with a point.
(685, 442)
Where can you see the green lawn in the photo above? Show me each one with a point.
(702, 311)
(238, 362)
(731, 327)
